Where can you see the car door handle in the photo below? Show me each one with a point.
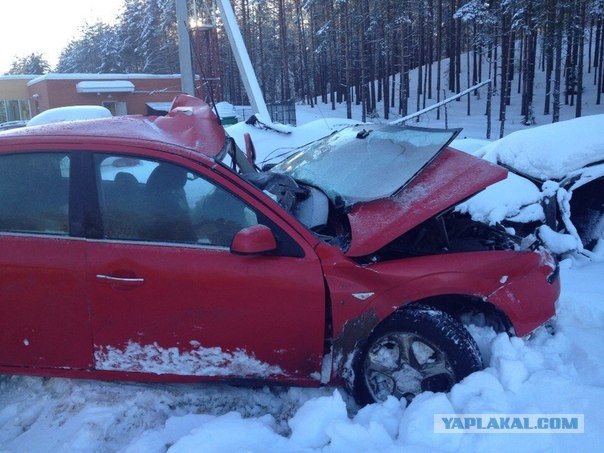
(121, 282)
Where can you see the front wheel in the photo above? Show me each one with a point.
(416, 350)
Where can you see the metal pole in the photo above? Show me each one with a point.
(439, 104)
(184, 48)
(243, 60)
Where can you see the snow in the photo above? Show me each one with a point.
(88, 76)
(551, 151)
(515, 198)
(558, 151)
(198, 362)
(271, 146)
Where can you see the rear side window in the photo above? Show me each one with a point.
(34, 193)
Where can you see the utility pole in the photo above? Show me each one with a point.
(184, 48)
(243, 60)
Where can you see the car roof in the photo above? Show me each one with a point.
(190, 124)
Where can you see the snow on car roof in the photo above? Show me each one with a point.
(550, 151)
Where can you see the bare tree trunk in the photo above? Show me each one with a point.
(285, 86)
(558, 64)
(347, 57)
(362, 56)
(580, 57)
(550, 28)
(439, 43)
(430, 48)
(600, 66)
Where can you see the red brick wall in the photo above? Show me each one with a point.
(50, 92)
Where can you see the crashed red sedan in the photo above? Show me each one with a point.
(151, 249)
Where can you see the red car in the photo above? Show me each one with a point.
(150, 248)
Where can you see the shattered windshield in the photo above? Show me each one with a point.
(364, 163)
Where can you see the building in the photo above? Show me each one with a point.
(22, 97)
(14, 97)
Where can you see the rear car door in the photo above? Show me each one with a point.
(168, 296)
(44, 315)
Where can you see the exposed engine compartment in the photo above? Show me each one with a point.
(449, 232)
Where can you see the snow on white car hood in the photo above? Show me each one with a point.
(199, 361)
(550, 151)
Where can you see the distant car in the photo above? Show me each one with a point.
(129, 250)
(12, 125)
(70, 113)
(556, 185)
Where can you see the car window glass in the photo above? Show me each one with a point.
(34, 193)
(156, 201)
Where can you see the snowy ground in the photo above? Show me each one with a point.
(560, 373)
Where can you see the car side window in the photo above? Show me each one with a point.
(156, 201)
(34, 193)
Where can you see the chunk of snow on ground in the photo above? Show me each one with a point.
(232, 433)
(310, 422)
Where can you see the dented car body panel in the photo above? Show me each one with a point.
(164, 264)
(516, 283)
(451, 178)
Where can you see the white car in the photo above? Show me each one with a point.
(555, 185)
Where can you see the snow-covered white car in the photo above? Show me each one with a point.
(555, 185)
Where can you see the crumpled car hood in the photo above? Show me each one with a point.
(452, 177)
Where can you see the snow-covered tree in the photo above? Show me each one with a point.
(33, 63)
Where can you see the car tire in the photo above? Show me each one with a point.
(415, 350)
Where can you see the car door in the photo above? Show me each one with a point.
(44, 315)
(169, 297)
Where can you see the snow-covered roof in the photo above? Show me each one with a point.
(19, 76)
(105, 86)
(87, 76)
(551, 151)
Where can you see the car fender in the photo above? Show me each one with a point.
(361, 297)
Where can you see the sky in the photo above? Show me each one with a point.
(46, 27)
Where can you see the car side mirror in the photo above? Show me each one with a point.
(254, 240)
